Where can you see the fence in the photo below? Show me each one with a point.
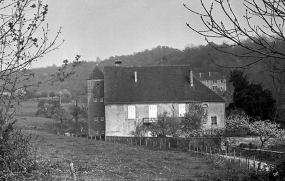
(167, 142)
(210, 147)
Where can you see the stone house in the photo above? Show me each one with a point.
(213, 80)
(121, 97)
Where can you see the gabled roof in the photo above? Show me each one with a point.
(209, 76)
(96, 73)
(154, 84)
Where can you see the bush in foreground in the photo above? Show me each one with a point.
(276, 173)
(18, 157)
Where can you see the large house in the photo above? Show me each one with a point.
(121, 97)
(213, 80)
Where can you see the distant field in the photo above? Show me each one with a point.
(27, 109)
(98, 160)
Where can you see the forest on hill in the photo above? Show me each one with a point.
(202, 58)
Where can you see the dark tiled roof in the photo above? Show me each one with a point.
(96, 73)
(154, 84)
(213, 76)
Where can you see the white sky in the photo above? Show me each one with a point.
(104, 28)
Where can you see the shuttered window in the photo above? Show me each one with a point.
(152, 111)
(131, 112)
(181, 110)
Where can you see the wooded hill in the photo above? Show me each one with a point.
(201, 58)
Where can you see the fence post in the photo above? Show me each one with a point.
(72, 170)
(234, 156)
(254, 162)
(226, 156)
(189, 146)
(168, 144)
(239, 159)
(140, 141)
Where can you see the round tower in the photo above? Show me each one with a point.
(96, 106)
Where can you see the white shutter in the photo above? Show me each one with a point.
(131, 112)
(152, 111)
(181, 110)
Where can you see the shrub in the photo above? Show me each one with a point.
(47, 108)
(240, 174)
(14, 154)
(237, 125)
(193, 119)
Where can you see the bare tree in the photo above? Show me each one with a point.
(257, 36)
(24, 39)
(253, 41)
(275, 70)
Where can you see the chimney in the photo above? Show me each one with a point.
(191, 78)
(118, 62)
(209, 74)
(136, 76)
(200, 75)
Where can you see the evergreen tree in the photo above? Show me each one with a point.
(251, 98)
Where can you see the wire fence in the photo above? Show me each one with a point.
(209, 147)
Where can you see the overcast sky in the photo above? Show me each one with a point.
(104, 28)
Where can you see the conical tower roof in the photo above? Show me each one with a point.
(96, 73)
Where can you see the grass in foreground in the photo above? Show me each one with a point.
(98, 160)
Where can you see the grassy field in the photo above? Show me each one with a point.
(98, 160)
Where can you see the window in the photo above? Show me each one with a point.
(131, 112)
(181, 110)
(152, 111)
(101, 99)
(214, 81)
(102, 118)
(222, 81)
(214, 120)
(102, 132)
(214, 87)
(95, 118)
(221, 89)
(95, 98)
